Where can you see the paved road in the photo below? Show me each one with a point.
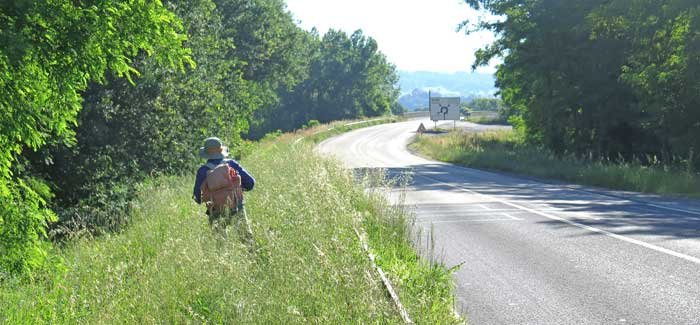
(537, 253)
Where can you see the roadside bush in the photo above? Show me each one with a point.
(508, 151)
(311, 124)
(23, 220)
(51, 50)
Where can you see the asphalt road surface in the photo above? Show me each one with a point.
(543, 253)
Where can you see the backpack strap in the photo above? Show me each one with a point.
(212, 165)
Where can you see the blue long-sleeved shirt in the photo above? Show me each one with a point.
(247, 180)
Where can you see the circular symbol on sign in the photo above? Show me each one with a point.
(444, 110)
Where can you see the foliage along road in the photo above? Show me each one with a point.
(542, 253)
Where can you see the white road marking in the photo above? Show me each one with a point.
(448, 210)
(446, 213)
(484, 207)
(576, 224)
(640, 202)
(693, 212)
(466, 221)
(512, 217)
(577, 214)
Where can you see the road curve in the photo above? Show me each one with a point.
(537, 253)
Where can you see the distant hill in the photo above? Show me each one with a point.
(415, 86)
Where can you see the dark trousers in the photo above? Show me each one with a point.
(238, 218)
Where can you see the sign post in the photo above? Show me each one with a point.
(430, 108)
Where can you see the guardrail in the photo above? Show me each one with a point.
(416, 114)
(344, 125)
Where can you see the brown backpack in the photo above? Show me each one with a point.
(221, 189)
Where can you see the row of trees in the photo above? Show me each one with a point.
(483, 104)
(347, 78)
(95, 96)
(604, 78)
(489, 104)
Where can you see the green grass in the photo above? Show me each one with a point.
(425, 288)
(486, 118)
(307, 264)
(323, 132)
(505, 151)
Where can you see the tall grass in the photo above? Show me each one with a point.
(424, 285)
(323, 132)
(504, 150)
(306, 264)
(487, 118)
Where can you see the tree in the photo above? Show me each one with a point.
(349, 78)
(96, 97)
(274, 54)
(485, 104)
(600, 78)
(127, 132)
(51, 50)
(661, 66)
(346, 77)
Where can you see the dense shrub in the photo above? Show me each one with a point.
(51, 50)
(90, 117)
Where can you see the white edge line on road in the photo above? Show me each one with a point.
(635, 200)
(466, 221)
(672, 209)
(512, 217)
(574, 188)
(576, 224)
(484, 207)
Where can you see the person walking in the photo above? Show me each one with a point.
(219, 185)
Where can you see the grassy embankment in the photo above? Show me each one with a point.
(505, 151)
(306, 265)
(322, 132)
(486, 118)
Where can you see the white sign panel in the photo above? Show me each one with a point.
(444, 108)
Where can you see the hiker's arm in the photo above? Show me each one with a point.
(247, 180)
(201, 175)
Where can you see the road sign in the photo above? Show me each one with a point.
(421, 129)
(444, 108)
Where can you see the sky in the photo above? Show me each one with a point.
(415, 35)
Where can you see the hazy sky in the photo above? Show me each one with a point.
(416, 35)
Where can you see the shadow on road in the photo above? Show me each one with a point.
(614, 214)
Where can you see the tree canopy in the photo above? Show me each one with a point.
(612, 79)
(345, 77)
(96, 96)
(51, 50)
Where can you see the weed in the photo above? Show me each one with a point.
(506, 151)
(307, 265)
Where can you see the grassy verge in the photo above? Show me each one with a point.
(324, 132)
(306, 266)
(425, 288)
(504, 150)
(486, 118)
